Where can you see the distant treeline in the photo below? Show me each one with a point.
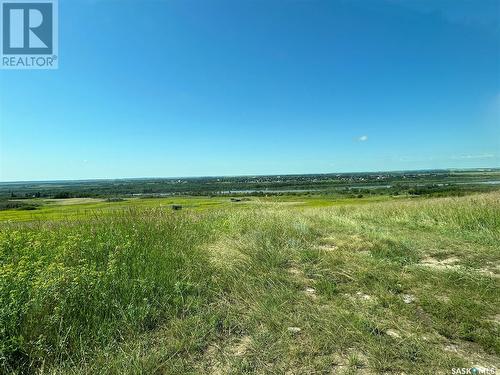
(15, 205)
(410, 183)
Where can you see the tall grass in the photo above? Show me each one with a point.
(149, 290)
(66, 288)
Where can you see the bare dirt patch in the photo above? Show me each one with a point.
(444, 264)
(495, 319)
(352, 361)
(491, 269)
(70, 201)
(472, 354)
(242, 346)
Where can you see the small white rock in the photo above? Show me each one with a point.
(408, 298)
(393, 333)
(294, 330)
(366, 297)
(451, 348)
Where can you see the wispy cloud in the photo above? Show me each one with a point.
(363, 138)
(480, 156)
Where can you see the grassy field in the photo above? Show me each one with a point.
(283, 285)
(78, 208)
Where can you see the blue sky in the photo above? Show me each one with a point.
(194, 88)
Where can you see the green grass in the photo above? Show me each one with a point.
(275, 285)
(67, 209)
(81, 208)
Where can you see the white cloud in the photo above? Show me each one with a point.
(363, 138)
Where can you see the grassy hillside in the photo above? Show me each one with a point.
(287, 287)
